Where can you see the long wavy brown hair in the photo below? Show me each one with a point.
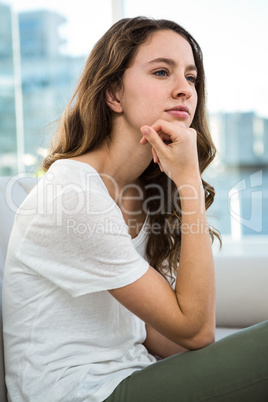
(87, 121)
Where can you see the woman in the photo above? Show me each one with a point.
(88, 301)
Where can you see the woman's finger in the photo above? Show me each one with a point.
(143, 141)
(153, 138)
(155, 157)
(170, 131)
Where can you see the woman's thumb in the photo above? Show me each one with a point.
(153, 138)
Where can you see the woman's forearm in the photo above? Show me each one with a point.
(195, 285)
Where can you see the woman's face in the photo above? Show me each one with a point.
(160, 82)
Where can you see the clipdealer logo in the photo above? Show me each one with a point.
(252, 192)
(69, 199)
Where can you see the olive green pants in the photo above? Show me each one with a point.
(234, 369)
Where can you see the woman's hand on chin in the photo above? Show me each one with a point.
(174, 148)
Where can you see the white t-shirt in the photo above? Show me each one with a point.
(65, 337)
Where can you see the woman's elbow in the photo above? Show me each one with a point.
(203, 339)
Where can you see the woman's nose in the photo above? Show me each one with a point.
(182, 88)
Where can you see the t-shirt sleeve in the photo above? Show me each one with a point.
(82, 245)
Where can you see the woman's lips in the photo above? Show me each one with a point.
(181, 114)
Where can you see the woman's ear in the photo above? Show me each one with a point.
(112, 100)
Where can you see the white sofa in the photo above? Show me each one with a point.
(242, 276)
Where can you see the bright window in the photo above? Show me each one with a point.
(44, 44)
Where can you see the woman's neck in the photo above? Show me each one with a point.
(120, 161)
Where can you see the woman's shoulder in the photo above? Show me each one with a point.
(74, 174)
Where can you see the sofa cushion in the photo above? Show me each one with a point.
(241, 283)
(12, 192)
(223, 332)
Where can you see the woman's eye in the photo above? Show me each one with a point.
(191, 79)
(161, 73)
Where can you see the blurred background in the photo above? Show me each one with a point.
(44, 45)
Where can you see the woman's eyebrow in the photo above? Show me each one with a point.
(171, 63)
